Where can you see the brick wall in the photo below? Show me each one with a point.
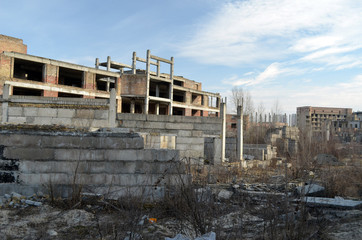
(133, 85)
(10, 44)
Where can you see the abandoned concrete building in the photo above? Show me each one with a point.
(137, 90)
(316, 118)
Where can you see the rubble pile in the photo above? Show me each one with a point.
(16, 200)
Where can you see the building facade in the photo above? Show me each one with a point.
(138, 90)
(318, 119)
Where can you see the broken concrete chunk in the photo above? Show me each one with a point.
(224, 194)
(337, 202)
(33, 203)
(15, 195)
(310, 189)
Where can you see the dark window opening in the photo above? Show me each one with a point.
(233, 125)
(159, 89)
(70, 77)
(179, 96)
(27, 91)
(69, 95)
(178, 83)
(28, 70)
(105, 83)
(178, 111)
(126, 107)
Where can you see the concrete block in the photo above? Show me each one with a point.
(101, 114)
(164, 154)
(15, 111)
(197, 133)
(179, 126)
(184, 133)
(190, 140)
(20, 140)
(61, 121)
(132, 117)
(152, 125)
(47, 112)
(98, 123)
(17, 120)
(66, 113)
(45, 178)
(29, 153)
(30, 112)
(79, 155)
(191, 154)
(43, 120)
(84, 113)
(186, 147)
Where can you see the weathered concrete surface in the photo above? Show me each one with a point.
(186, 134)
(39, 159)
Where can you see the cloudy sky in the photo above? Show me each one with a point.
(300, 52)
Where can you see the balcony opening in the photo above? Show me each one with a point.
(70, 77)
(28, 70)
(26, 91)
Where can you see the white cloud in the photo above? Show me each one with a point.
(244, 32)
(271, 72)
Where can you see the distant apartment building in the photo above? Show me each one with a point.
(318, 118)
(137, 90)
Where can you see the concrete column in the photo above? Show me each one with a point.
(157, 109)
(97, 63)
(148, 81)
(223, 130)
(5, 104)
(108, 63)
(158, 68)
(132, 110)
(112, 114)
(239, 128)
(157, 91)
(265, 118)
(269, 118)
(171, 86)
(134, 60)
(256, 117)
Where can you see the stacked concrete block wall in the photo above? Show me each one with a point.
(99, 162)
(58, 111)
(259, 151)
(176, 132)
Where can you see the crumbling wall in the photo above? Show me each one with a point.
(259, 151)
(183, 133)
(99, 162)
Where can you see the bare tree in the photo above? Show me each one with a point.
(240, 96)
(276, 110)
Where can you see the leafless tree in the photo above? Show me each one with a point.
(239, 96)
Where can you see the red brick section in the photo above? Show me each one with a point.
(51, 76)
(10, 44)
(5, 70)
(134, 85)
(187, 112)
(89, 83)
(205, 114)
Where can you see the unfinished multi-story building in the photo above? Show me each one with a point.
(317, 118)
(138, 90)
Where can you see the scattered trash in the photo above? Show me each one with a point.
(152, 220)
(207, 236)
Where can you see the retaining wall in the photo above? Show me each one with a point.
(186, 134)
(107, 163)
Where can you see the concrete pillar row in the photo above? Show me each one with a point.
(223, 130)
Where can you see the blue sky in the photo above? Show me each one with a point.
(300, 52)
